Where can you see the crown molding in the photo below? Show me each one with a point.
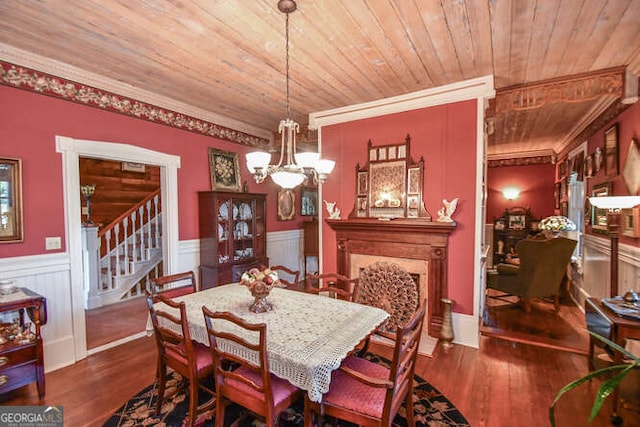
(226, 128)
(481, 87)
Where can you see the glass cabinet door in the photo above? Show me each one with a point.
(260, 233)
(243, 229)
(223, 232)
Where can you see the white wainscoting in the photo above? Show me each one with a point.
(595, 266)
(286, 248)
(49, 275)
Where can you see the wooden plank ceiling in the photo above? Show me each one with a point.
(228, 56)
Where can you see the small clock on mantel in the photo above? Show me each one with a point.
(390, 184)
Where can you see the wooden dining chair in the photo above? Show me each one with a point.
(292, 276)
(177, 351)
(249, 384)
(368, 394)
(174, 285)
(335, 284)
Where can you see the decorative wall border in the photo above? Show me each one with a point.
(47, 84)
(522, 161)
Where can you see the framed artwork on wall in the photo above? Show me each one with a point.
(224, 170)
(599, 215)
(611, 151)
(308, 201)
(631, 171)
(133, 167)
(631, 222)
(286, 205)
(556, 195)
(11, 230)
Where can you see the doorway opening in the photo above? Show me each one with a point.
(71, 150)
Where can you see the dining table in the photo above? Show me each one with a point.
(308, 335)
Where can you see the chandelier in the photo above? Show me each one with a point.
(293, 168)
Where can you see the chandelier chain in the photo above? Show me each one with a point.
(287, 64)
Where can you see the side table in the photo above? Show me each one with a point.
(21, 356)
(606, 323)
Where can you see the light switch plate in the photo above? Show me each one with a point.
(53, 243)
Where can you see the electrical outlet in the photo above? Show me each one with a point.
(52, 243)
(85, 210)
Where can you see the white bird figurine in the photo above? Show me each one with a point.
(445, 213)
(334, 213)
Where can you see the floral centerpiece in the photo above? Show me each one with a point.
(260, 282)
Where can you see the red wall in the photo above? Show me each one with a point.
(535, 182)
(446, 137)
(29, 123)
(628, 129)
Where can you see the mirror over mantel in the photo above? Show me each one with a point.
(390, 184)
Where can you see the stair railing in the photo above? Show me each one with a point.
(139, 229)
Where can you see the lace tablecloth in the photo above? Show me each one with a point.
(307, 335)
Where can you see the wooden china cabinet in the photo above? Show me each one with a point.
(233, 235)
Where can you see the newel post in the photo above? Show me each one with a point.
(90, 260)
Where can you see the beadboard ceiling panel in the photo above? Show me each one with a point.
(557, 64)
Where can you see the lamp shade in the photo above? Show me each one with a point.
(615, 202)
(257, 159)
(325, 166)
(287, 179)
(307, 160)
(557, 223)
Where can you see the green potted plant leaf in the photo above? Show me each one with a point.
(607, 387)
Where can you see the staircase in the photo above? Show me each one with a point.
(121, 257)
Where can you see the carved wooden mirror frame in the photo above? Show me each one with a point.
(390, 184)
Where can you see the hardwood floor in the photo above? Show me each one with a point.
(116, 321)
(566, 330)
(503, 383)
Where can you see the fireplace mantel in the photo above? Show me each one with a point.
(409, 238)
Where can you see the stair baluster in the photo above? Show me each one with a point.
(149, 245)
(134, 237)
(131, 249)
(108, 257)
(157, 225)
(116, 231)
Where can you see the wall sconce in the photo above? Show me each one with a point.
(614, 204)
(511, 193)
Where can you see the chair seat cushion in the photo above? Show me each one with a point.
(204, 361)
(349, 393)
(281, 389)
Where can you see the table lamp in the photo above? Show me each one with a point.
(614, 204)
(557, 223)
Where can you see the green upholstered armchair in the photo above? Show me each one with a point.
(543, 264)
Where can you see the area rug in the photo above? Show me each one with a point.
(430, 407)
